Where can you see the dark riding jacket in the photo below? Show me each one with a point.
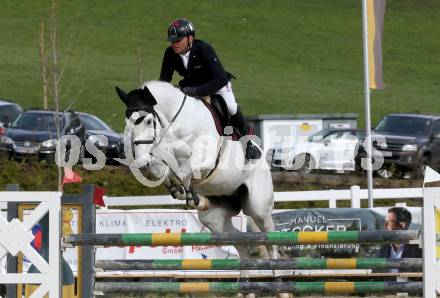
(205, 71)
(409, 251)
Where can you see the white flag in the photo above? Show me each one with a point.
(430, 175)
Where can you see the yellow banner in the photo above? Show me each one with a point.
(437, 230)
(375, 20)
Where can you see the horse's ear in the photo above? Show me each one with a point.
(148, 96)
(122, 95)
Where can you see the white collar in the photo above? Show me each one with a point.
(186, 55)
(185, 59)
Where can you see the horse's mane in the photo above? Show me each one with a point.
(168, 96)
(158, 84)
(158, 88)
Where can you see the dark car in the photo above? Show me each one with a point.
(412, 141)
(93, 127)
(34, 133)
(9, 111)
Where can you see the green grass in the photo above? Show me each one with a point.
(290, 56)
(32, 175)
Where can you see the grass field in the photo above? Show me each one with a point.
(290, 56)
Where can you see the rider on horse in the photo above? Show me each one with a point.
(202, 72)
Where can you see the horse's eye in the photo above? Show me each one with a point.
(148, 121)
(139, 120)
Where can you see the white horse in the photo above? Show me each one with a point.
(174, 137)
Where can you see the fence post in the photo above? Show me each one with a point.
(11, 267)
(355, 196)
(45, 264)
(332, 203)
(429, 243)
(88, 252)
(54, 259)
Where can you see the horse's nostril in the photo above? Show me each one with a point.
(142, 164)
(146, 166)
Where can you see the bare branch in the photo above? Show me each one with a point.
(139, 63)
(55, 81)
(66, 61)
(69, 105)
(74, 99)
(72, 82)
(43, 61)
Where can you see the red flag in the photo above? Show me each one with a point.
(70, 176)
(98, 196)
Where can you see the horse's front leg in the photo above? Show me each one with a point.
(176, 190)
(193, 199)
(158, 170)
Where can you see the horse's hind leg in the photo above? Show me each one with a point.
(243, 253)
(265, 224)
(258, 204)
(218, 218)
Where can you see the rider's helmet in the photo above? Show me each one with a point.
(180, 28)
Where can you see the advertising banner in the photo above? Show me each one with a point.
(159, 221)
(335, 219)
(145, 221)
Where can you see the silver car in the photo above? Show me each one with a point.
(328, 149)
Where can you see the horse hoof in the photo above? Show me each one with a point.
(203, 204)
(180, 196)
(190, 203)
(177, 193)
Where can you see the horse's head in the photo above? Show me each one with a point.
(144, 122)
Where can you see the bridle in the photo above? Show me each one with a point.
(152, 141)
(151, 110)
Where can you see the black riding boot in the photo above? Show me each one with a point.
(238, 121)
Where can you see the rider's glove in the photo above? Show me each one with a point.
(190, 91)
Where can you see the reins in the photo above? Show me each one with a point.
(172, 121)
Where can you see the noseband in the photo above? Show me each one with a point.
(151, 141)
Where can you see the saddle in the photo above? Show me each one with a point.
(219, 111)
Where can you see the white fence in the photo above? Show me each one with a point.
(16, 237)
(431, 266)
(354, 194)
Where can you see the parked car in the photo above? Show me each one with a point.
(412, 142)
(94, 126)
(34, 133)
(328, 149)
(9, 111)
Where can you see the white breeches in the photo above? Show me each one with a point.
(227, 93)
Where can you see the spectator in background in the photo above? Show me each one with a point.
(398, 218)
